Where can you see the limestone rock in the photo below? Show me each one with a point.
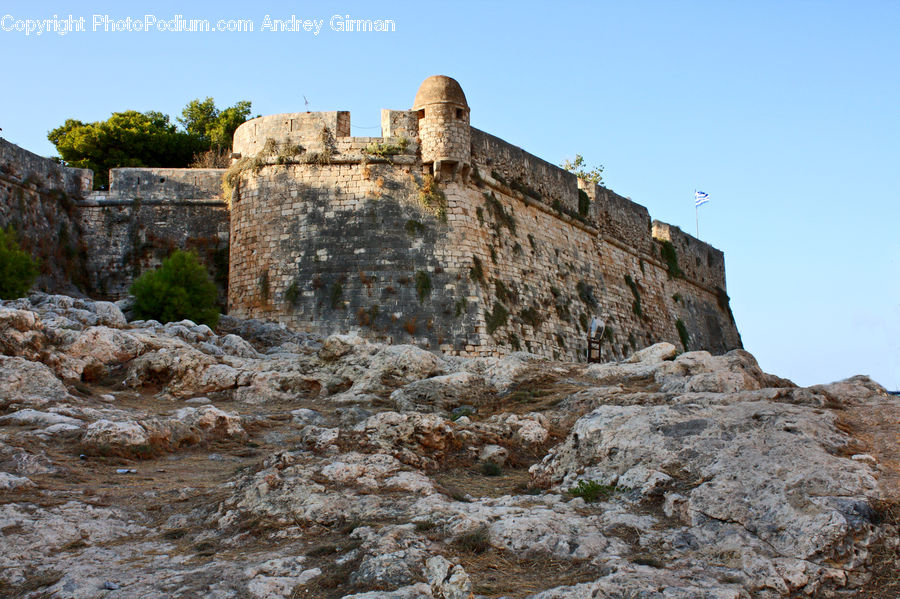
(448, 581)
(24, 383)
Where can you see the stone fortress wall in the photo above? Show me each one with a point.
(436, 234)
(453, 239)
(145, 215)
(96, 242)
(39, 199)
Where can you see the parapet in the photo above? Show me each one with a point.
(168, 185)
(21, 166)
(524, 172)
(293, 128)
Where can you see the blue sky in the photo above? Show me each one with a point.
(786, 113)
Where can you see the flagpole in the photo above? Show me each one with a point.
(696, 214)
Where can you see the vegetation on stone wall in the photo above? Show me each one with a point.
(584, 203)
(682, 333)
(386, 149)
(669, 255)
(329, 148)
(179, 289)
(496, 318)
(531, 316)
(476, 272)
(336, 297)
(459, 307)
(292, 293)
(433, 199)
(423, 285)
(18, 269)
(636, 304)
(586, 293)
(502, 218)
(414, 228)
(263, 284)
(505, 295)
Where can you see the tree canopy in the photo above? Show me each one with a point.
(202, 118)
(133, 138)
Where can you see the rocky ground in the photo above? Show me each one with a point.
(148, 460)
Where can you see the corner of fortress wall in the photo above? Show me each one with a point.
(333, 233)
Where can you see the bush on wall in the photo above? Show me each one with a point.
(18, 269)
(179, 289)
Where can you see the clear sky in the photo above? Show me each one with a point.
(787, 113)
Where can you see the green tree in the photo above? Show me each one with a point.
(577, 167)
(127, 138)
(180, 288)
(202, 118)
(18, 269)
(133, 138)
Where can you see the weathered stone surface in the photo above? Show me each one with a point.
(282, 469)
(28, 384)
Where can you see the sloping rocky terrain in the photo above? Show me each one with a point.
(148, 460)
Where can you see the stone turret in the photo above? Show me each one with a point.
(444, 132)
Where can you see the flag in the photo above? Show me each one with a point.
(700, 198)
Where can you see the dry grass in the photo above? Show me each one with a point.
(496, 573)
(884, 557)
(34, 582)
(457, 482)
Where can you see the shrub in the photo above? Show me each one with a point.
(591, 490)
(18, 269)
(180, 288)
(476, 541)
(491, 469)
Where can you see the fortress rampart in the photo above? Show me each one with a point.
(455, 240)
(435, 233)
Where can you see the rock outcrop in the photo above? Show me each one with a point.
(150, 460)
